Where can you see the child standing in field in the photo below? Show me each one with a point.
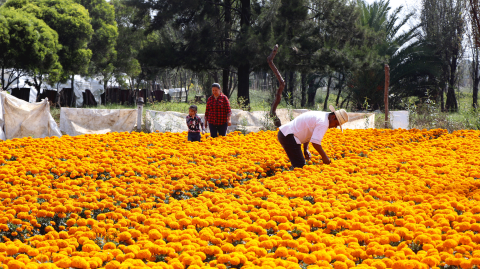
(194, 122)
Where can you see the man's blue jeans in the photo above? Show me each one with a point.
(293, 150)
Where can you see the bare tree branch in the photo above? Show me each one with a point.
(278, 96)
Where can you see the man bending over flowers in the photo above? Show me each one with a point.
(309, 127)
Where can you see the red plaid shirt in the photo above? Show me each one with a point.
(218, 110)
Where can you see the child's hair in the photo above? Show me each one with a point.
(193, 107)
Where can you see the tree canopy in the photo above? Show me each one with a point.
(104, 36)
(26, 43)
(72, 24)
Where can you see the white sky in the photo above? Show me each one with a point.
(408, 6)
(415, 6)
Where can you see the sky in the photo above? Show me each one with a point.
(408, 6)
(396, 3)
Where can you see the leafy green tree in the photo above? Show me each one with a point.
(322, 42)
(27, 44)
(217, 35)
(443, 24)
(131, 39)
(288, 33)
(208, 36)
(367, 84)
(104, 38)
(72, 24)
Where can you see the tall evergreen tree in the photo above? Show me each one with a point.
(27, 44)
(104, 37)
(367, 84)
(443, 23)
(331, 41)
(72, 24)
(131, 39)
(208, 35)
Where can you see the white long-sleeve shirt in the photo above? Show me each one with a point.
(309, 127)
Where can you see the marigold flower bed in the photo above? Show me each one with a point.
(390, 199)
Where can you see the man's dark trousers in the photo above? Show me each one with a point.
(293, 150)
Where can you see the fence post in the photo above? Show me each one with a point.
(139, 113)
(387, 82)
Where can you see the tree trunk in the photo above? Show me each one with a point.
(3, 80)
(243, 84)
(215, 76)
(244, 67)
(228, 21)
(291, 86)
(328, 93)
(442, 100)
(304, 89)
(37, 85)
(341, 79)
(476, 78)
(475, 93)
(167, 79)
(311, 92)
(281, 82)
(225, 76)
(231, 85)
(338, 97)
(187, 87)
(73, 91)
(451, 104)
(288, 93)
(345, 100)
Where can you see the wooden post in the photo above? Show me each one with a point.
(387, 82)
(278, 96)
(139, 113)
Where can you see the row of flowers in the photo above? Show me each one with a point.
(391, 199)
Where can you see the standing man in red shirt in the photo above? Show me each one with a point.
(218, 112)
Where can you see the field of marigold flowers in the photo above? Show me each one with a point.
(390, 199)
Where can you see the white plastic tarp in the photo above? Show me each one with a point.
(399, 119)
(169, 121)
(21, 119)
(21, 83)
(96, 88)
(249, 121)
(80, 85)
(360, 121)
(78, 121)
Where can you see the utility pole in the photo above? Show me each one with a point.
(387, 82)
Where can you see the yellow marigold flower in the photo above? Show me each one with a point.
(11, 249)
(124, 236)
(143, 254)
(450, 243)
(16, 264)
(379, 265)
(310, 259)
(63, 263)
(112, 265)
(281, 252)
(340, 265)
